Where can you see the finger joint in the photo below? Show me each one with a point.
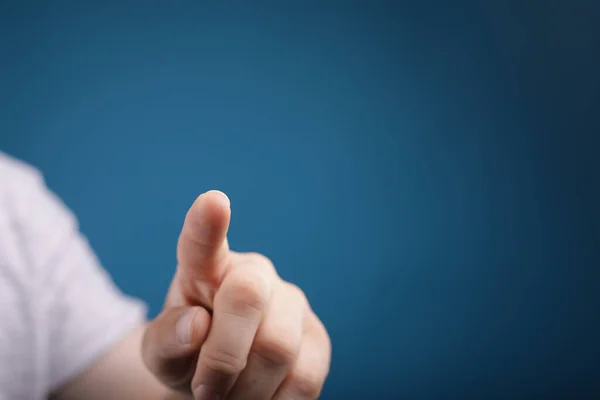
(306, 383)
(278, 346)
(223, 362)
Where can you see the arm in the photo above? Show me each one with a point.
(86, 333)
(119, 374)
(230, 327)
(261, 339)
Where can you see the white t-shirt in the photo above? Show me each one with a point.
(59, 310)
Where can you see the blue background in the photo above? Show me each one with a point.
(426, 173)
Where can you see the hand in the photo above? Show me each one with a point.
(230, 327)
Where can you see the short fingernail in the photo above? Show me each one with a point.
(204, 392)
(223, 197)
(183, 328)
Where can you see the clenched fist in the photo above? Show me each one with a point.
(231, 328)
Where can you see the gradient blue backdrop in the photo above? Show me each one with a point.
(426, 173)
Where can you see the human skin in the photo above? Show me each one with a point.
(230, 328)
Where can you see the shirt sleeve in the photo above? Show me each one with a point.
(79, 312)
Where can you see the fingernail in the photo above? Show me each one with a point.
(204, 392)
(222, 195)
(183, 328)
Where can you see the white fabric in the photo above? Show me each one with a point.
(59, 310)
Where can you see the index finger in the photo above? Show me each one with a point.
(202, 250)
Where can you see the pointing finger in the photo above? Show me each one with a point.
(202, 250)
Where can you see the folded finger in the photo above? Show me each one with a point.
(275, 347)
(306, 378)
(238, 310)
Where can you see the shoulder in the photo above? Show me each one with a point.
(16, 305)
(17, 180)
(18, 183)
(24, 198)
(23, 191)
(14, 170)
(33, 220)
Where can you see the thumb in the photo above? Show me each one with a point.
(171, 344)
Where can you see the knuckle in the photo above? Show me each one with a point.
(297, 293)
(306, 383)
(260, 259)
(247, 289)
(320, 332)
(278, 346)
(223, 362)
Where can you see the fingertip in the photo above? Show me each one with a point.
(208, 218)
(202, 249)
(214, 199)
(215, 206)
(219, 196)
